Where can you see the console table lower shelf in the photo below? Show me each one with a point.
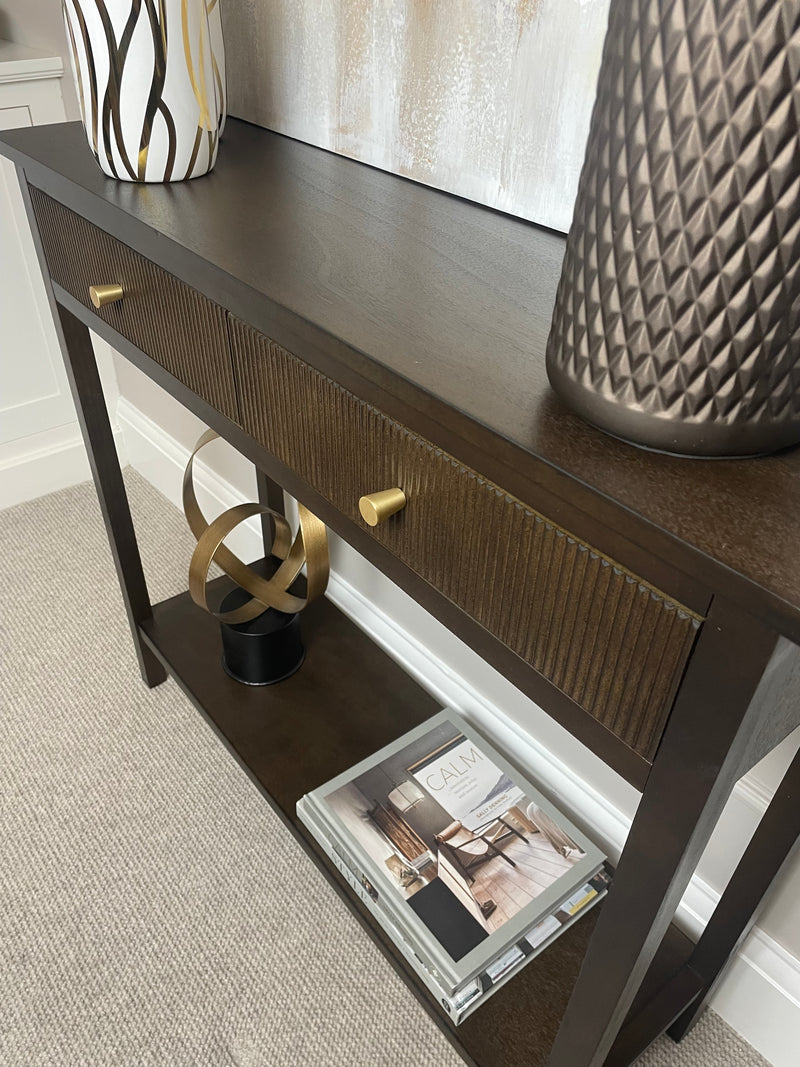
(348, 700)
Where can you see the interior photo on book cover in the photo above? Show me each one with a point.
(464, 845)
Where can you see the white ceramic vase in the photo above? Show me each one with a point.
(150, 76)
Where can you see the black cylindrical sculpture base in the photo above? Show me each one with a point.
(677, 320)
(263, 651)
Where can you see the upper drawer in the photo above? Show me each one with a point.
(603, 636)
(175, 325)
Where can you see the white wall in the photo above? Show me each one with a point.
(41, 448)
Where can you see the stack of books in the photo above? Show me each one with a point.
(463, 862)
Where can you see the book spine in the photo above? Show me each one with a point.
(349, 870)
(389, 900)
(461, 1002)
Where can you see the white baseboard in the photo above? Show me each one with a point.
(43, 463)
(760, 996)
(760, 999)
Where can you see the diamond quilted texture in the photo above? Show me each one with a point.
(677, 318)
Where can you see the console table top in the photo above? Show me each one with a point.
(438, 310)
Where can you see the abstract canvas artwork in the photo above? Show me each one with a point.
(489, 99)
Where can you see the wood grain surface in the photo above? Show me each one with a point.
(437, 311)
(175, 325)
(613, 644)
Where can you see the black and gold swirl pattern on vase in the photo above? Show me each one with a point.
(150, 76)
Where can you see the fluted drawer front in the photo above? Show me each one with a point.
(175, 325)
(606, 638)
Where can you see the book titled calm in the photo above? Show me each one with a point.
(463, 861)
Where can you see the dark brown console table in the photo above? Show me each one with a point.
(350, 331)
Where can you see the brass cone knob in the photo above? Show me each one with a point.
(101, 295)
(376, 508)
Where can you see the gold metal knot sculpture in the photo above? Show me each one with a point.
(309, 547)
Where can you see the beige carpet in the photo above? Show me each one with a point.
(153, 911)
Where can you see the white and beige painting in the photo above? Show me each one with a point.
(489, 99)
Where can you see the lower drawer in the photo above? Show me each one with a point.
(603, 636)
(173, 324)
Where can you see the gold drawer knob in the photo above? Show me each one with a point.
(105, 294)
(376, 508)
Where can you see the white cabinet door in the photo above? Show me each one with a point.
(34, 392)
(41, 448)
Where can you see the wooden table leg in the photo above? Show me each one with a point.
(271, 494)
(700, 758)
(76, 345)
